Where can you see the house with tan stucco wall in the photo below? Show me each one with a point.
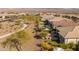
(72, 36)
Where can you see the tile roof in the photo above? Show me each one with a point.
(74, 33)
(57, 21)
(64, 30)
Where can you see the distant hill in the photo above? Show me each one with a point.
(55, 10)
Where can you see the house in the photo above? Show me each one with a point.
(61, 22)
(72, 36)
(63, 31)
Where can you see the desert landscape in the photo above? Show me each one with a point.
(39, 29)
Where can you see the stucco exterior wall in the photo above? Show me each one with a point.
(74, 40)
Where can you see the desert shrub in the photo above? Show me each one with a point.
(77, 47)
(45, 46)
(53, 43)
(43, 34)
(71, 45)
(17, 22)
(66, 16)
(57, 15)
(74, 18)
(63, 45)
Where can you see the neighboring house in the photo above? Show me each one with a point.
(46, 16)
(63, 31)
(61, 22)
(72, 36)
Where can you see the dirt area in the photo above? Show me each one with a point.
(8, 27)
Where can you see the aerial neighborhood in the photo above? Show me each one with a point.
(39, 29)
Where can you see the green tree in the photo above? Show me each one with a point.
(16, 40)
(53, 43)
(63, 45)
(43, 34)
(45, 46)
(71, 45)
(12, 43)
(77, 46)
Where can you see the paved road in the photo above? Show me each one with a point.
(3, 36)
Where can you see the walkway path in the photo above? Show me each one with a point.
(3, 36)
